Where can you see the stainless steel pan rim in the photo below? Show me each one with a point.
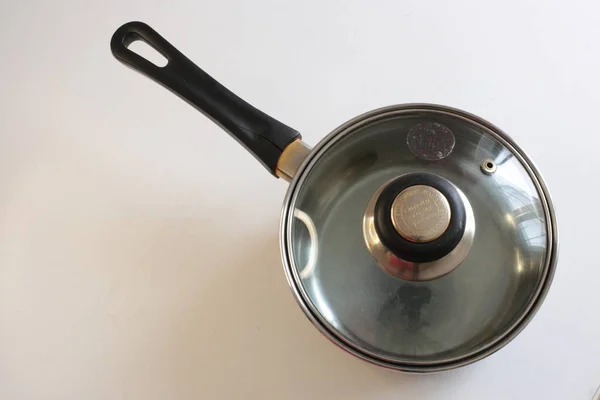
(416, 366)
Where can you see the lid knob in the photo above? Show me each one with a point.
(419, 226)
(421, 213)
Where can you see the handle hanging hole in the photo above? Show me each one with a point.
(143, 49)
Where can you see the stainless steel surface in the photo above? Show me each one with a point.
(291, 158)
(419, 327)
(411, 271)
(420, 214)
(488, 167)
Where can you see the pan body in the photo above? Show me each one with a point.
(445, 323)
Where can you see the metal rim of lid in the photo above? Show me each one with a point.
(329, 331)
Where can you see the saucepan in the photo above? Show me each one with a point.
(417, 237)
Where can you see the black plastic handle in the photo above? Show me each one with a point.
(260, 134)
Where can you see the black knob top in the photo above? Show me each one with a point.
(413, 250)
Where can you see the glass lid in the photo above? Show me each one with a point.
(418, 236)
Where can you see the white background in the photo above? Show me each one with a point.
(139, 250)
